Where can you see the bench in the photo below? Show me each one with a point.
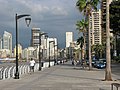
(117, 85)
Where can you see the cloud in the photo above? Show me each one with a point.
(52, 16)
(58, 11)
(42, 8)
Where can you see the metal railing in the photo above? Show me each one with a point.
(9, 71)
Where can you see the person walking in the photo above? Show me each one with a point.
(74, 60)
(32, 64)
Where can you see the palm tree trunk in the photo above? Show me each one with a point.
(108, 59)
(115, 52)
(89, 47)
(84, 46)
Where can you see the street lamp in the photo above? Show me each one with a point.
(55, 61)
(46, 36)
(49, 51)
(40, 34)
(28, 20)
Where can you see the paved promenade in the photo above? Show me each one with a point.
(60, 77)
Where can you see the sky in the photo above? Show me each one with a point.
(55, 17)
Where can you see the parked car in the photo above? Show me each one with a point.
(93, 62)
(100, 65)
(103, 60)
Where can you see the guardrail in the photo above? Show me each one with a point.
(9, 71)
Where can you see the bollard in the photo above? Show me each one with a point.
(4, 73)
(20, 70)
(14, 70)
(9, 72)
(1, 73)
(23, 69)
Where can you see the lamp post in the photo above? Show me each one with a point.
(57, 55)
(28, 20)
(54, 54)
(49, 52)
(46, 36)
(40, 34)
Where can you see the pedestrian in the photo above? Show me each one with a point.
(74, 60)
(32, 64)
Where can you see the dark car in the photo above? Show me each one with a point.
(103, 60)
(93, 62)
(100, 65)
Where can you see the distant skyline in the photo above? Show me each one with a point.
(55, 17)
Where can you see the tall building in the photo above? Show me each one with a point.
(95, 27)
(51, 46)
(69, 38)
(19, 51)
(7, 41)
(35, 37)
(1, 42)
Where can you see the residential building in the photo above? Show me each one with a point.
(95, 27)
(25, 54)
(1, 41)
(35, 37)
(4, 53)
(51, 47)
(19, 51)
(7, 41)
(69, 38)
(31, 51)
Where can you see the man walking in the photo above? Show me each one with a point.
(32, 64)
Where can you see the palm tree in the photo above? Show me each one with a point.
(80, 41)
(87, 6)
(81, 26)
(108, 76)
(98, 48)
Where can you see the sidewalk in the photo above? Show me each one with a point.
(59, 77)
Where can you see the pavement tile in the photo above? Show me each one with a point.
(59, 77)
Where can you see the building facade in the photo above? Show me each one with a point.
(69, 38)
(35, 37)
(51, 47)
(19, 51)
(7, 41)
(95, 27)
(1, 41)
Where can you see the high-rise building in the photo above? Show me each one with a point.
(7, 41)
(69, 38)
(95, 27)
(19, 51)
(51, 46)
(1, 42)
(35, 37)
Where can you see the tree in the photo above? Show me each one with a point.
(115, 21)
(108, 76)
(80, 41)
(98, 48)
(115, 17)
(81, 26)
(86, 6)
